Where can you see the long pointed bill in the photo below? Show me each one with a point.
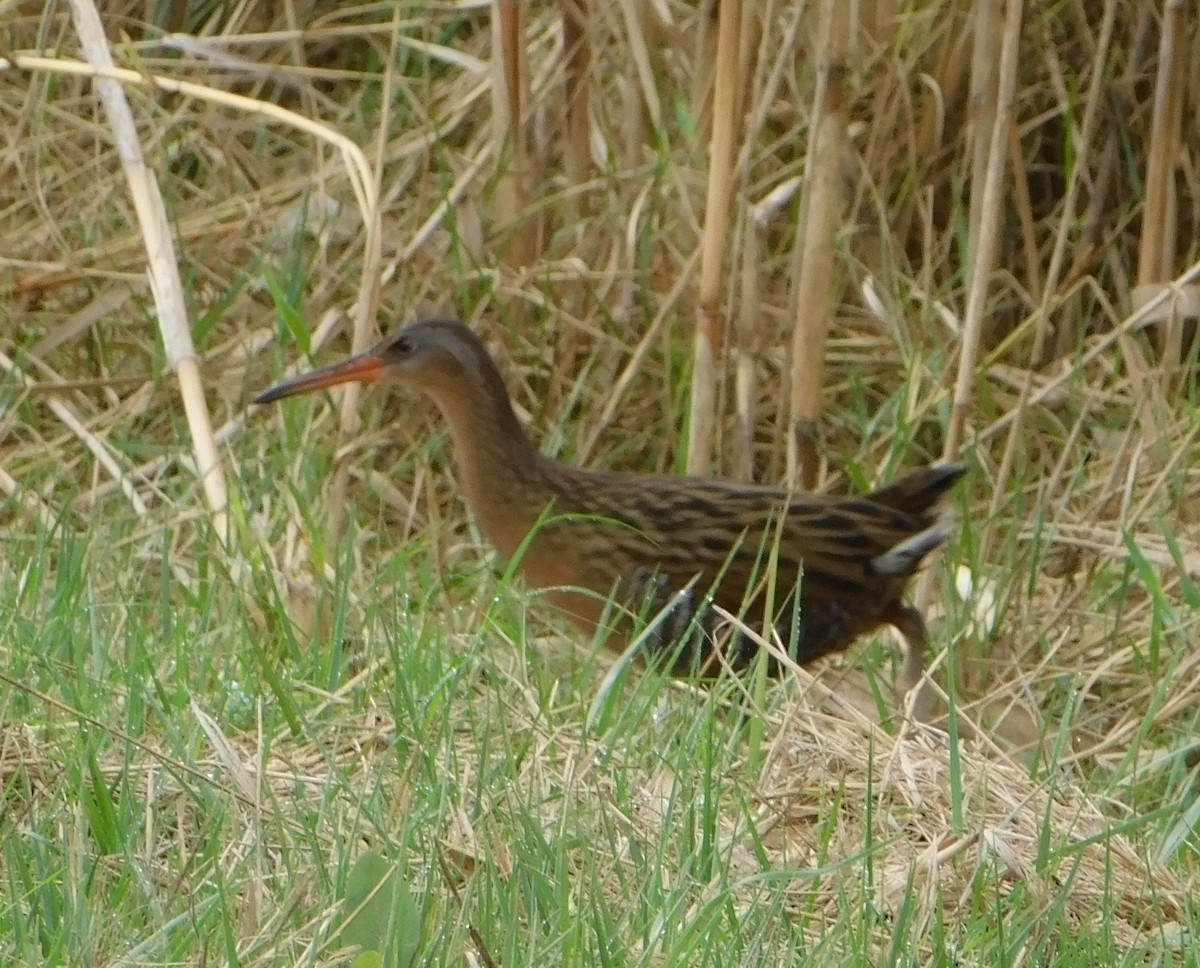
(361, 369)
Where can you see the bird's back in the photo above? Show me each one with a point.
(607, 527)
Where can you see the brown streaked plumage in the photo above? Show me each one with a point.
(599, 531)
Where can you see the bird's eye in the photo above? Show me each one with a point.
(403, 345)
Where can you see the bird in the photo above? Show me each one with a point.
(689, 550)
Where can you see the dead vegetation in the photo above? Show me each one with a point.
(990, 209)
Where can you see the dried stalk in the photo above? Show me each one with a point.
(637, 27)
(706, 40)
(749, 336)
(709, 324)
(1159, 216)
(577, 69)
(878, 20)
(165, 283)
(979, 271)
(827, 144)
(944, 87)
(987, 20)
(508, 73)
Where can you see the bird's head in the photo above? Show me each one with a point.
(426, 355)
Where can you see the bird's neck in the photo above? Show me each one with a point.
(501, 472)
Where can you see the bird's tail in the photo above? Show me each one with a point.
(920, 492)
(903, 559)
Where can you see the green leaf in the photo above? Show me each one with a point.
(286, 311)
(381, 916)
(101, 811)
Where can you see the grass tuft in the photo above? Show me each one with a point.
(218, 749)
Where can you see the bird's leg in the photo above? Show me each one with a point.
(684, 624)
(669, 615)
(911, 626)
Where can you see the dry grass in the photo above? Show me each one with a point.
(586, 267)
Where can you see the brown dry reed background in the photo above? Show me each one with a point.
(817, 242)
(808, 206)
(874, 235)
